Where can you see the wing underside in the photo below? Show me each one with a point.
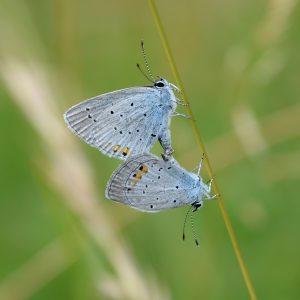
(119, 124)
(150, 184)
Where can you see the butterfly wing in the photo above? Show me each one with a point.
(120, 123)
(150, 184)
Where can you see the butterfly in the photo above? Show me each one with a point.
(128, 121)
(150, 184)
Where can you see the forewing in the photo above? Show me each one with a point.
(119, 124)
(150, 184)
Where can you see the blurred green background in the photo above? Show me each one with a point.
(60, 238)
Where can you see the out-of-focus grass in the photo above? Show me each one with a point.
(240, 66)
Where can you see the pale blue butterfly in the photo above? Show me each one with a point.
(128, 121)
(148, 183)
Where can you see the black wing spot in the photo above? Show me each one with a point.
(128, 189)
(87, 109)
(169, 168)
(131, 104)
(146, 185)
(121, 115)
(157, 198)
(153, 135)
(158, 177)
(90, 116)
(151, 206)
(112, 112)
(174, 201)
(129, 132)
(160, 169)
(145, 115)
(140, 139)
(137, 130)
(121, 132)
(95, 120)
(144, 192)
(115, 128)
(177, 187)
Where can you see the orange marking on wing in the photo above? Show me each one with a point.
(116, 148)
(137, 176)
(125, 151)
(144, 168)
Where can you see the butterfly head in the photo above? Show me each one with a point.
(197, 205)
(163, 83)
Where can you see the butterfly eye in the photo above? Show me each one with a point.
(159, 84)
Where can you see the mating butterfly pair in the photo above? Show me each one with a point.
(125, 124)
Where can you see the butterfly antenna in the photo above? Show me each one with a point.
(146, 61)
(139, 67)
(184, 223)
(193, 230)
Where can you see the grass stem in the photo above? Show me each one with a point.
(220, 201)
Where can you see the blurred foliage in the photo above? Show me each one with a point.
(239, 61)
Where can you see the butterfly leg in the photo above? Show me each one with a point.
(176, 114)
(180, 102)
(165, 141)
(213, 197)
(209, 183)
(200, 165)
(208, 189)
